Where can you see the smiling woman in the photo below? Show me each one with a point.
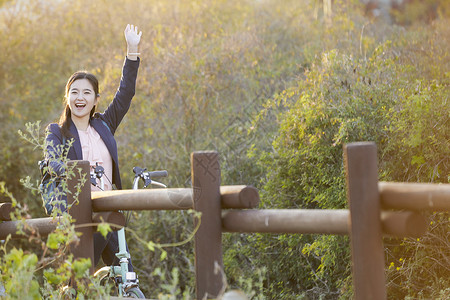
(93, 133)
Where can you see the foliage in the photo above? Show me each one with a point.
(418, 134)
(420, 11)
(347, 97)
(342, 99)
(21, 284)
(23, 274)
(419, 268)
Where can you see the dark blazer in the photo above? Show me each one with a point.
(105, 124)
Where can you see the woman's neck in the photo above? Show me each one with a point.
(81, 123)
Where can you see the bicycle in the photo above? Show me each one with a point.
(126, 282)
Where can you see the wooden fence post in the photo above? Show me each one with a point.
(81, 212)
(366, 231)
(205, 171)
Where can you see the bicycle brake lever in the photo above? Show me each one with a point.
(146, 178)
(99, 170)
(159, 184)
(93, 179)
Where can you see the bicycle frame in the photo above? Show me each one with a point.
(127, 280)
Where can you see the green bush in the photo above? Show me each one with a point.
(345, 98)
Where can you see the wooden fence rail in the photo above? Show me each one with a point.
(415, 196)
(375, 209)
(313, 221)
(232, 196)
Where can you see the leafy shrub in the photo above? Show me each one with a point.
(345, 98)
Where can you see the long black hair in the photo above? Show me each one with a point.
(65, 118)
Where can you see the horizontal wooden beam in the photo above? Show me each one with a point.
(317, 221)
(403, 223)
(121, 298)
(308, 221)
(43, 226)
(145, 199)
(415, 196)
(239, 196)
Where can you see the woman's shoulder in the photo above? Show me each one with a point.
(54, 129)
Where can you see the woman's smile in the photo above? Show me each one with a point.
(80, 106)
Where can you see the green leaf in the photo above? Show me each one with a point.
(52, 277)
(53, 241)
(104, 228)
(163, 255)
(417, 160)
(151, 246)
(80, 266)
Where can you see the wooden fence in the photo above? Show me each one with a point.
(375, 209)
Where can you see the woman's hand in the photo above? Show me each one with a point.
(133, 39)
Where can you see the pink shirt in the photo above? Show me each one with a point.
(95, 151)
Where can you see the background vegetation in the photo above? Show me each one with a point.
(277, 89)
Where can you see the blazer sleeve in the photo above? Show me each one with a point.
(54, 149)
(117, 109)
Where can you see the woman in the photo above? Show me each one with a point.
(93, 133)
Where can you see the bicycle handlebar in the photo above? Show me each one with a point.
(153, 174)
(156, 174)
(147, 176)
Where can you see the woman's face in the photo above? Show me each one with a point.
(81, 98)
